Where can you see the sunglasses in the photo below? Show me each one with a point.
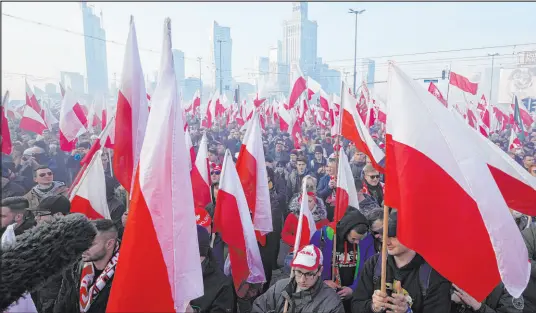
(215, 173)
(374, 176)
(45, 174)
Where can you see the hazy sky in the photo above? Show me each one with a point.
(384, 29)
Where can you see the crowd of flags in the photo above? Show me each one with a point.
(438, 160)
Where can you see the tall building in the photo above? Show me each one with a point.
(221, 52)
(74, 81)
(328, 78)
(300, 39)
(191, 85)
(178, 63)
(278, 68)
(370, 70)
(95, 49)
(262, 69)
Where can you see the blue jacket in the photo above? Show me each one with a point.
(365, 246)
(323, 189)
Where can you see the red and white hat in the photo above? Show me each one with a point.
(309, 258)
(202, 217)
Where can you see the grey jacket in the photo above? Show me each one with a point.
(320, 298)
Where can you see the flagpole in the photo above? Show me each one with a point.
(383, 287)
(448, 84)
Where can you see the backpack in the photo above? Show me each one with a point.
(424, 275)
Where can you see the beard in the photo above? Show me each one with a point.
(97, 256)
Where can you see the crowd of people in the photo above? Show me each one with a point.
(36, 182)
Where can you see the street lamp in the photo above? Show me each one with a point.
(492, 65)
(352, 11)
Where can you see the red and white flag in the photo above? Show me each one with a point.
(210, 114)
(31, 100)
(353, 129)
(251, 168)
(306, 223)
(201, 175)
(435, 91)
(103, 138)
(6, 135)
(72, 121)
(161, 232)
(131, 113)
(346, 194)
(514, 143)
(189, 145)
(32, 121)
(232, 219)
(89, 194)
(299, 85)
(469, 183)
(463, 83)
(484, 112)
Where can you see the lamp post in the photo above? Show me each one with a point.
(352, 11)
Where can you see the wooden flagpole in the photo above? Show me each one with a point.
(383, 287)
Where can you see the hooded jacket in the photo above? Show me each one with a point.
(323, 239)
(218, 294)
(319, 298)
(437, 295)
(529, 235)
(294, 182)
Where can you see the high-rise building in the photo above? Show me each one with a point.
(300, 39)
(370, 70)
(328, 78)
(95, 49)
(262, 69)
(221, 52)
(178, 63)
(278, 68)
(191, 85)
(74, 81)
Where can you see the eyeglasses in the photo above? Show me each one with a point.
(45, 174)
(374, 176)
(42, 213)
(299, 274)
(215, 173)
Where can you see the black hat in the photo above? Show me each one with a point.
(319, 149)
(203, 238)
(393, 221)
(54, 204)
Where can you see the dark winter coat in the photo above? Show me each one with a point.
(319, 298)
(529, 235)
(294, 183)
(323, 189)
(42, 253)
(437, 295)
(45, 295)
(499, 301)
(218, 290)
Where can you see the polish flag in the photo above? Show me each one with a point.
(50, 119)
(103, 138)
(306, 223)
(232, 219)
(515, 143)
(201, 175)
(210, 114)
(435, 91)
(484, 112)
(469, 183)
(72, 121)
(131, 114)
(189, 145)
(285, 117)
(524, 114)
(251, 168)
(463, 83)
(32, 121)
(313, 87)
(324, 100)
(346, 194)
(89, 194)
(6, 135)
(161, 232)
(31, 101)
(298, 87)
(354, 130)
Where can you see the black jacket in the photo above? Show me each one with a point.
(438, 293)
(11, 189)
(68, 299)
(499, 301)
(218, 290)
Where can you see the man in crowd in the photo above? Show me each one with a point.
(407, 273)
(86, 285)
(291, 165)
(14, 212)
(319, 161)
(327, 186)
(372, 184)
(46, 186)
(280, 154)
(306, 292)
(9, 187)
(528, 161)
(357, 164)
(295, 178)
(215, 173)
(73, 162)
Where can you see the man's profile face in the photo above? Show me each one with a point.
(9, 217)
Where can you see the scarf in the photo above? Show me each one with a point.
(90, 291)
(43, 193)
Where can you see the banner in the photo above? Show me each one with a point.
(517, 81)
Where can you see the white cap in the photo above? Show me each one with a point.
(309, 258)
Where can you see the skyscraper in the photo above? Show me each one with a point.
(262, 65)
(300, 39)
(95, 49)
(370, 68)
(278, 67)
(178, 63)
(221, 52)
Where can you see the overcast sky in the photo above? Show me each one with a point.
(384, 29)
